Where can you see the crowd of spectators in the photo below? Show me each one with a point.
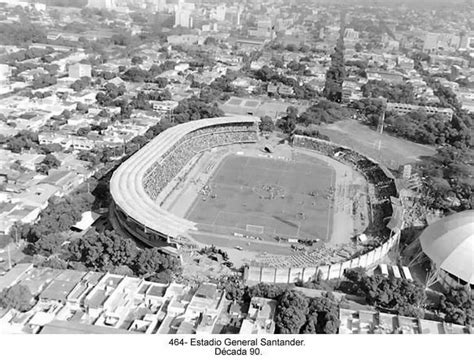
(175, 158)
(381, 184)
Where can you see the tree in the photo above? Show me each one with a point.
(336, 72)
(49, 162)
(54, 262)
(81, 84)
(323, 316)
(43, 81)
(135, 75)
(161, 82)
(137, 60)
(151, 261)
(393, 294)
(23, 140)
(458, 307)
(58, 216)
(266, 124)
(49, 244)
(66, 114)
(291, 312)
(103, 251)
(126, 111)
(82, 108)
(17, 297)
(83, 131)
(234, 288)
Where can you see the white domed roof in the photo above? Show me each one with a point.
(449, 243)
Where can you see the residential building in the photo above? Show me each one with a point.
(79, 70)
(260, 317)
(373, 322)
(399, 108)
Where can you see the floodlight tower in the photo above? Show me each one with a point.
(381, 123)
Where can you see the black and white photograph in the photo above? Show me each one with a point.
(253, 178)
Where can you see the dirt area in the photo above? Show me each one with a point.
(349, 207)
(199, 268)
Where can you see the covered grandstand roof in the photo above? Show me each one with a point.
(449, 243)
(126, 185)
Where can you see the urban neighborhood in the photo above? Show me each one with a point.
(245, 167)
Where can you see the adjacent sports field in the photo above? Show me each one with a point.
(393, 152)
(281, 197)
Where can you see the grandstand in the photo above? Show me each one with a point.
(137, 183)
(381, 182)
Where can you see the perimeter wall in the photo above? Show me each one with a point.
(257, 274)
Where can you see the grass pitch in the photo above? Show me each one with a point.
(285, 198)
(393, 151)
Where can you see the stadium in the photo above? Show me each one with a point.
(216, 181)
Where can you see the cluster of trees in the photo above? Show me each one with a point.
(109, 251)
(141, 101)
(23, 140)
(324, 111)
(139, 75)
(295, 313)
(212, 251)
(394, 93)
(290, 47)
(268, 75)
(458, 307)
(106, 75)
(370, 109)
(22, 33)
(266, 124)
(394, 295)
(448, 183)
(43, 81)
(298, 67)
(111, 93)
(81, 84)
(313, 133)
(17, 297)
(104, 252)
(88, 13)
(49, 162)
(194, 109)
(42, 95)
(420, 127)
(59, 216)
(288, 123)
(28, 140)
(336, 73)
(30, 53)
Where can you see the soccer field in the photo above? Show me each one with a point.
(279, 197)
(393, 151)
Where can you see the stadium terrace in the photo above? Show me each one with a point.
(137, 183)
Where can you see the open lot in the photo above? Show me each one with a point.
(393, 151)
(279, 197)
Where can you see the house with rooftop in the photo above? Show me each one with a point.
(373, 322)
(64, 180)
(260, 317)
(76, 297)
(95, 300)
(61, 286)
